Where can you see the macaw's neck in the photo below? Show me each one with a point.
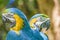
(19, 23)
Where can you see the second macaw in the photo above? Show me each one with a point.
(38, 22)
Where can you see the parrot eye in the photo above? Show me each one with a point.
(8, 19)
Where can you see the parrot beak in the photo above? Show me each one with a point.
(42, 24)
(46, 24)
(8, 20)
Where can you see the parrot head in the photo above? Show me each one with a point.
(14, 19)
(40, 21)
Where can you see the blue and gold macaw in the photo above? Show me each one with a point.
(19, 26)
(39, 22)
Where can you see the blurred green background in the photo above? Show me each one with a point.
(29, 7)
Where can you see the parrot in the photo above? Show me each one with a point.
(39, 22)
(18, 25)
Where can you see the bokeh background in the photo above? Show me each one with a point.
(29, 7)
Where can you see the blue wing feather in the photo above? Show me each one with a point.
(44, 36)
(11, 35)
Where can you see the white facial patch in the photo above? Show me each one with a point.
(8, 18)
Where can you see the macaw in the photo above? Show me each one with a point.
(18, 25)
(38, 22)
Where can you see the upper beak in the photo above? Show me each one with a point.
(46, 23)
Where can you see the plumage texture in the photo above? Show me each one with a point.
(45, 37)
(25, 33)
